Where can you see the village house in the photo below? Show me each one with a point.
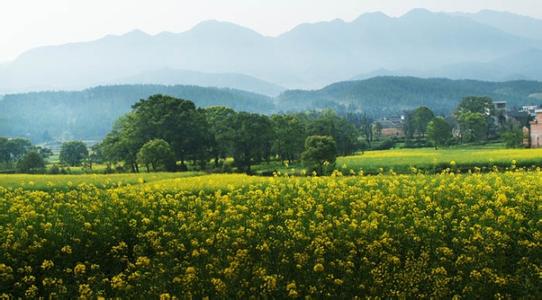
(535, 130)
(392, 127)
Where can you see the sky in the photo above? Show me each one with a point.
(25, 24)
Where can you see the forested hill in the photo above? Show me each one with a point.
(390, 95)
(89, 114)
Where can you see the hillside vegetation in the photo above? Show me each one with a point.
(89, 114)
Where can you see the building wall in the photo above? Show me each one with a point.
(391, 132)
(536, 131)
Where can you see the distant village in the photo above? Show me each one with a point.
(532, 128)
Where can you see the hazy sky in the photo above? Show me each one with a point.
(25, 24)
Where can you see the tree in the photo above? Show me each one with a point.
(439, 132)
(17, 148)
(513, 137)
(123, 142)
(220, 121)
(476, 114)
(31, 162)
(176, 121)
(481, 105)
(289, 136)
(473, 126)
(344, 133)
(157, 154)
(420, 118)
(252, 139)
(319, 150)
(72, 153)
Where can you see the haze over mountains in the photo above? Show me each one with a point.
(487, 45)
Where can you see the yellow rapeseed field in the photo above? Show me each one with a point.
(411, 236)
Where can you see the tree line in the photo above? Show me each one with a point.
(166, 133)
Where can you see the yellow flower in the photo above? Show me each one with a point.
(47, 264)
(79, 269)
(318, 268)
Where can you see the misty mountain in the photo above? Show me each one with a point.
(511, 23)
(524, 65)
(308, 56)
(90, 114)
(221, 80)
(385, 96)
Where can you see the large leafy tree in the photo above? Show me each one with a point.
(319, 150)
(158, 155)
(176, 121)
(252, 139)
(421, 118)
(475, 117)
(123, 142)
(220, 120)
(72, 153)
(328, 123)
(439, 132)
(473, 126)
(289, 136)
(31, 162)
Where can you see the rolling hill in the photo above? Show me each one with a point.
(90, 113)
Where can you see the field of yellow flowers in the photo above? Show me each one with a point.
(414, 236)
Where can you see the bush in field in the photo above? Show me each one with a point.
(158, 155)
(73, 153)
(31, 162)
(320, 152)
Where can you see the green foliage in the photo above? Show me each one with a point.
(252, 139)
(480, 105)
(219, 120)
(73, 153)
(93, 111)
(31, 162)
(421, 118)
(289, 136)
(439, 132)
(319, 152)
(158, 155)
(473, 126)
(513, 137)
(328, 123)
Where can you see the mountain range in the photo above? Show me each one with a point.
(487, 45)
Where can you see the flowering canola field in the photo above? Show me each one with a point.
(414, 236)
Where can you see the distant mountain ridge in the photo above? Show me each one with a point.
(220, 80)
(392, 95)
(308, 56)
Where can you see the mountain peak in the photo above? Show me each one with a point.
(216, 27)
(418, 12)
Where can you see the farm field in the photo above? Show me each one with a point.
(426, 159)
(471, 235)
(65, 182)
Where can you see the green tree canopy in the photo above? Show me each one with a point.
(252, 140)
(319, 150)
(31, 162)
(72, 153)
(421, 118)
(439, 132)
(158, 155)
